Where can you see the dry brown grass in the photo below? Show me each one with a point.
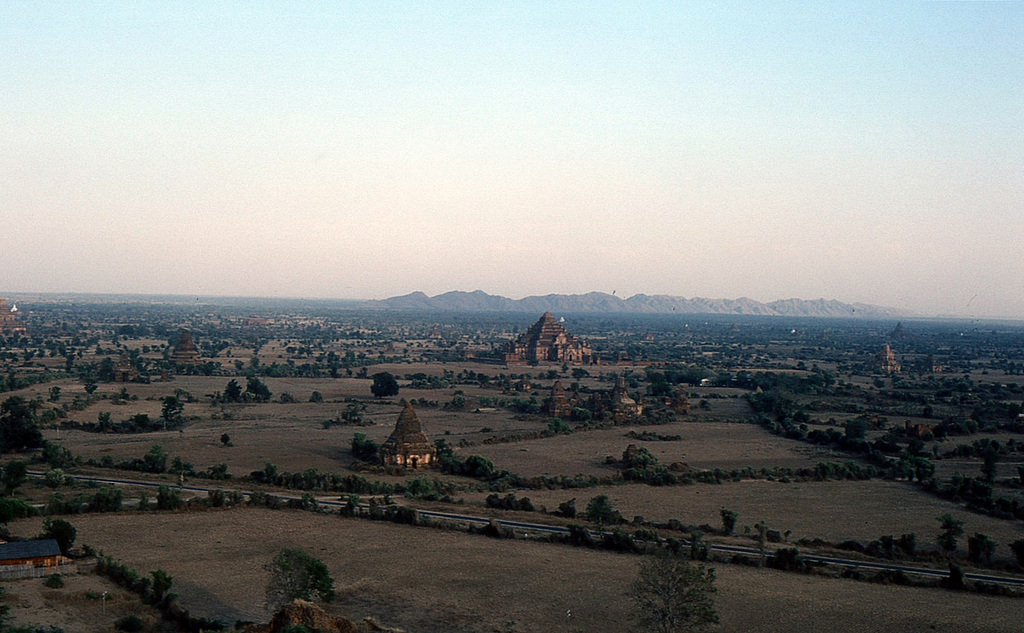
(429, 580)
(704, 445)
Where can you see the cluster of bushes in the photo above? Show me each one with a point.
(351, 416)
(155, 461)
(429, 489)
(651, 436)
(643, 466)
(106, 499)
(364, 448)
(978, 495)
(313, 479)
(509, 502)
(138, 423)
(887, 546)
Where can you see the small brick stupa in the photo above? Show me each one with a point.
(408, 446)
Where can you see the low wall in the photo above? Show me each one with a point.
(17, 572)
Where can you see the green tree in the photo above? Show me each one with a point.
(294, 574)
(1017, 547)
(225, 439)
(233, 391)
(256, 390)
(729, 519)
(316, 397)
(14, 476)
(988, 449)
(980, 547)
(55, 478)
(19, 428)
(952, 529)
(161, 586)
(761, 528)
(62, 532)
(156, 459)
(168, 498)
(11, 509)
(600, 511)
(384, 385)
(671, 595)
(172, 409)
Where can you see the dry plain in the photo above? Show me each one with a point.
(423, 579)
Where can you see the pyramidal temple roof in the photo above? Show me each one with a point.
(407, 429)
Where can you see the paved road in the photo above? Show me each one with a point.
(541, 528)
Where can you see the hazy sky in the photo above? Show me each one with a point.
(857, 151)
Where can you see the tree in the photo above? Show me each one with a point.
(225, 439)
(1017, 547)
(62, 532)
(729, 519)
(233, 391)
(161, 586)
(316, 397)
(600, 511)
(19, 428)
(671, 594)
(172, 409)
(156, 459)
(952, 528)
(988, 449)
(762, 538)
(168, 498)
(256, 390)
(384, 385)
(11, 509)
(15, 475)
(294, 574)
(980, 546)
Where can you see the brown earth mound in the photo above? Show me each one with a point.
(308, 615)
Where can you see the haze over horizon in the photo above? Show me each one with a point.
(865, 153)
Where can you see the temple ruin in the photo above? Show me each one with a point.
(408, 446)
(558, 405)
(185, 352)
(9, 323)
(547, 341)
(887, 361)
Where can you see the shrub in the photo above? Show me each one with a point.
(129, 624)
(54, 581)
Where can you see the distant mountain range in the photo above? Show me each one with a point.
(600, 302)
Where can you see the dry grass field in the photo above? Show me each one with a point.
(704, 445)
(832, 510)
(429, 580)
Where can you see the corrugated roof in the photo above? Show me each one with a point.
(29, 549)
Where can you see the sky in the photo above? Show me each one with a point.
(864, 152)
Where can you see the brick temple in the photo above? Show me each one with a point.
(8, 321)
(185, 352)
(547, 341)
(408, 446)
